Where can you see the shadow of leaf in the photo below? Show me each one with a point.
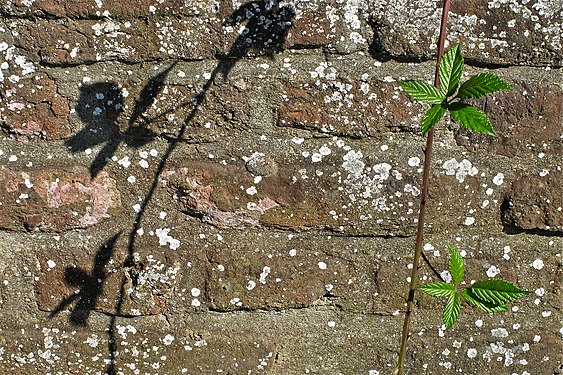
(90, 285)
(99, 106)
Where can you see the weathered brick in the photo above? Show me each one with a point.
(106, 8)
(527, 121)
(340, 190)
(33, 108)
(97, 280)
(55, 199)
(71, 41)
(490, 33)
(344, 107)
(534, 202)
(144, 345)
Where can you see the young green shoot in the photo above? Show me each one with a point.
(450, 96)
(487, 295)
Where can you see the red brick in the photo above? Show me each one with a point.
(50, 199)
(34, 108)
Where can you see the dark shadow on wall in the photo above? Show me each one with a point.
(89, 284)
(267, 27)
(99, 107)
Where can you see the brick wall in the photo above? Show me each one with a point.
(232, 187)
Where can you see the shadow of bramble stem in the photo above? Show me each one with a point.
(266, 28)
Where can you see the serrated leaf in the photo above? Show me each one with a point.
(471, 118)
(451, 310)
(432, 117)
(496, 291)
(457, 269)
(482, 305)
(423, 92)
(450, 69)
(482, 84)
(438, 289)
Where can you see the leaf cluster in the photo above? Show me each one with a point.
(444, 98)
(487, 295)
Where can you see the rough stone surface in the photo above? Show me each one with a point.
(212, 187)
(33, 108)
(532, 204)
(55, 199)
(534, 129)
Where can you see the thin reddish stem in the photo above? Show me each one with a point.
(423, 200)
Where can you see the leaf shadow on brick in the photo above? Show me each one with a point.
(266, 29)
(99, 106)
(267, 26)
(90, 285)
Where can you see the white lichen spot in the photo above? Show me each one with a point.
(164, 238)
(251, 284)
(131, 179)
(459, 169)
(51, 263)
(324, 150)
(331, 323)
(498, 179)
(265, 272)
(251, 190)
(469, 220)
(125, 162)
(446, 276)
(92, 341)
(353, 163)
(471, 353)
(316, 157)
(292, 252)
(168, 339)
(143, 163)
(414, 161)
(499, 332)
(195, 292)
(493, 271)
(538, 264)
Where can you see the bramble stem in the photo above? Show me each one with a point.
(423, 199)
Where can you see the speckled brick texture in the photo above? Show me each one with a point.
(203, 187)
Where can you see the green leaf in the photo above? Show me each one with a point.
(451, 310)
(450, 69)
(482, 305)
(438, 289)
(432, 117)
(482, 84)
(496, 291)
(471, 118)
(423, 92)
(456, 265)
